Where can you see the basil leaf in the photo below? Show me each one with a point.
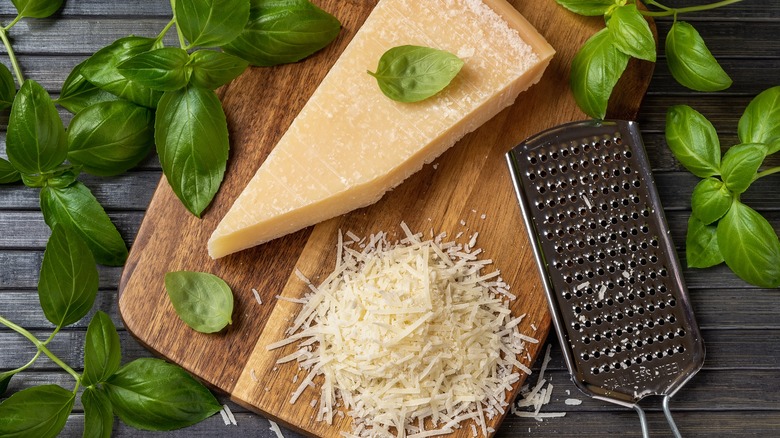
(69, 278)
(211, 23)
(37, 8)
(192, 142)
(283, 31)
(36, 137)
(632, 34)
(101, 69)
(151, 394)
(750, 246)
(691, 62)
(74, 207)
(761, 121)
(8, 173)
(711, 200)
(588, 7)
(740, 164)
(40, 412)
(203, 301)
(595, 70)
(109, 138)
(7, 88)
(693, 141)
(78, 93)
(414, 73)
(98, 415)
(161, 69)
(5, 379)
(212, 69)
(701, 245)
(102, 352)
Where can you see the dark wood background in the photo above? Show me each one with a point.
(737, 392)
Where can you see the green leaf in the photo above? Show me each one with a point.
(151, 394)
(192, 142)
(691, 62)
(212, 69)
(711, 200)
(37, 8)
(283, 31)
(102, 70)
(161, 69)
(211, 23)
(595, 70)
(740, 164)
(631, 33)
(693, 140)
(63, 176)
(98, 415)
(108, 138)
(5, 379)
(8, 173)
(203, 301)
(40, 412)
(7, 88)
(750, 246)
(588, 7)
(761, 121)
(78, 93)
(36, 137)
(414, 73)
(69, 278)
(102, 352)
(701, 245)
(76, 208)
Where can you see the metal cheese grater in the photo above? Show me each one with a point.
(608, 265)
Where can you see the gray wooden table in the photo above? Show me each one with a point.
(737, 392)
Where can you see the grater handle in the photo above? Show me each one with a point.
(669, 419)
(642, 421)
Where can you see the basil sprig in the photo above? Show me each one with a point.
(203, 301)
(721, 227)
(415, 73)
(7, 88)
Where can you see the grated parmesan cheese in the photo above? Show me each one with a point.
(275, 428)
(257, 296)
(410, 338)
(537, 396)
(229, 413)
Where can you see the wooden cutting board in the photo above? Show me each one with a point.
(468, 189)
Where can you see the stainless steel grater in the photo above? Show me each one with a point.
(609, 268)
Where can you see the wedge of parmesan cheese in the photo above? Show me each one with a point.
(350, 143)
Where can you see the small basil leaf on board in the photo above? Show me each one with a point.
(102, 352)
(151, 394)
(5, 379)
(39, 411)
(760, 122)
(8, 173)
(711, 200)
(69, 278)
(414, 73)
(101, 69)
(7, 88)
(36, 137)
(76, 208)
(595, 70)
(98, 415)
(192, 143)
(160, 69)
(701, 245)
(693, 141)
(203, 301)
(632, 34)
(212, 69)
(109, 138)
(588, 7)
(211, 23)
(37, 8)
(281, 32)
(78, 93)
(750, 246)
(740, 164)
(691, 62)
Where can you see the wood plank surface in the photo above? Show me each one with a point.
(734, 395)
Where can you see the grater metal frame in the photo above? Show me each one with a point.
(541, 166)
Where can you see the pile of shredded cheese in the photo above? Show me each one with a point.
(411, 338)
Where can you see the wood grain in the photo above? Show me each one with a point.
(469, 180)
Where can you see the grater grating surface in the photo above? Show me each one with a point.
(611, 273)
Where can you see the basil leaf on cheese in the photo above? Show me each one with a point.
(415, 73)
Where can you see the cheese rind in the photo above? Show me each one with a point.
(350, 144)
